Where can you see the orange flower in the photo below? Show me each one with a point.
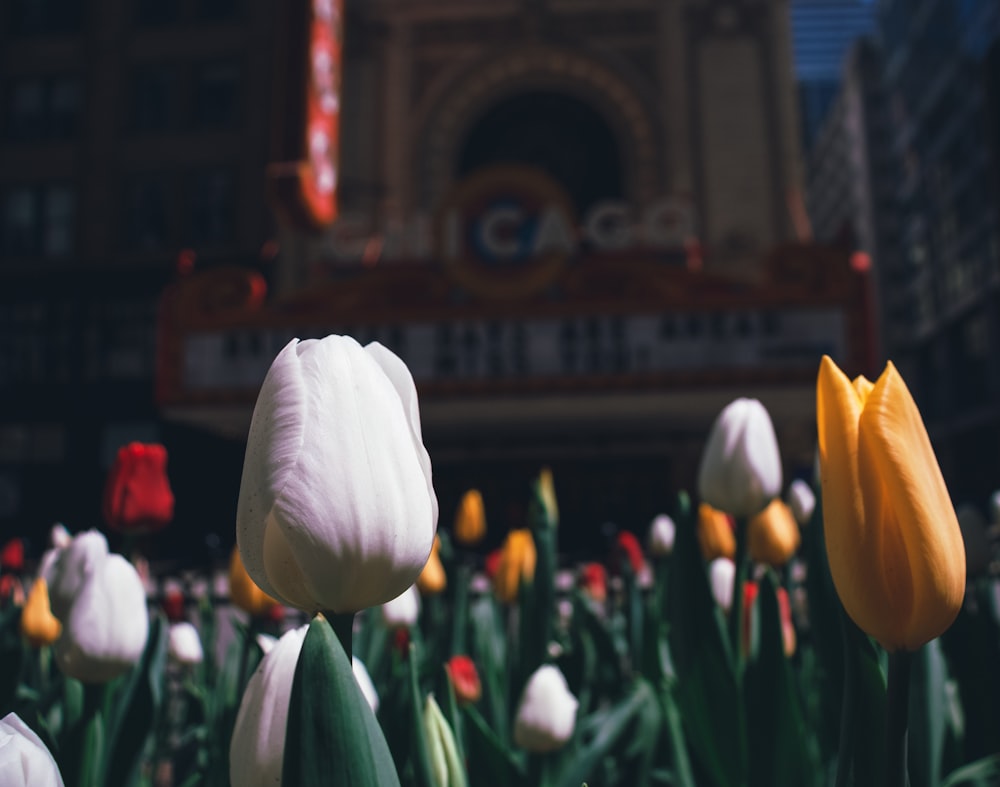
(715, 534)
(432, 579)
(517, 563)
(773, 535)
(243, 591)
(470, 519)
(38, 625)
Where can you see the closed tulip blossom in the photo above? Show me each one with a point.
(715, 533)
(893, 540)
(100, 600)
(464, 679)
(336, 509)
(721, 574)
(662, 532)
(801, 500)
(12, 556)
(38, 625)
(594, 581)
(546, 713)
(740, 468)
(432, 579)
(402, 610)
(446, 766)
(516, 564)
(773, 535)
(137, 494)
(25, 761)
(470, 519)
(184, 644)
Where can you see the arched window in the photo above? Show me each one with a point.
(554, 132)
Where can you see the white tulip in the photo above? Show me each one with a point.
(721, 575)
(546, 714)
(59, 536)
(402, 610)
(801, 500)
(25, 761)
(257, 746)
(101, 602)
(336, 509)
(365, 682)
(740, 469)
(184, 645)
(662, 532)
(266, 642)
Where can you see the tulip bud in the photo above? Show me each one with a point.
(662, 532)
(446, 765)
(801, 500)
(137, 494)
(59, 536)
(594, 581)
(402, 610)
(546, 713)
(38, 625)
(432, 579)
(978, 553)
(470, 519)
(336, 509)
(628, 545)
(257, 746)
(184, 646)
(464, 680)
(365, 682)
(244, 592)
(740, 469)
(517, 563)
(25, 761)
(773, 535)
(892, 538)
(715, 534)
(173, 604)
(547, 496)
(491, 563)
(12, 556)
(101, 602)
(721, 575)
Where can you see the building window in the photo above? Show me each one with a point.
(38, 221)
(217, 94)
(146, 226)
(212, 199)
(45, 17)
(43, 108)
(153, 97)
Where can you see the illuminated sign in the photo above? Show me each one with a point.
(303, 178)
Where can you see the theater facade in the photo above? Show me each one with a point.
(580, 226)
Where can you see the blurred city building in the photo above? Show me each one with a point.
(823, 32)
(581, 225)
(941, 280)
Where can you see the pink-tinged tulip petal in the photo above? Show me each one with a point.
(546, 713)
(336, 510)
(25, 761)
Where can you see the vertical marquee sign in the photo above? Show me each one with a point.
(303, 173)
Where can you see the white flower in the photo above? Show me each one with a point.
(740, 469)
(662, 532)
(546, 714)
(336, 508)
(365, 682)
(265, 642)
(59, 536)
(101, 602)
(801, 500)
(721, 575)
(184, 646)
(24, 759)
(257, 746)
(402, 610)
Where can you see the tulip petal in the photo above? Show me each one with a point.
(923, 554)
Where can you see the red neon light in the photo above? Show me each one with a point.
(318, 183)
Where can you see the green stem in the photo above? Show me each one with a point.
(343, 626)
(845, 746)
(736, 610)
(897, 717)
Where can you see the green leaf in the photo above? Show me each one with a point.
(928, 719)
(864, 695)
(981, 773)
(332, 735)
(491, 764)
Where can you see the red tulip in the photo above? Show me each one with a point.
(173, 604)
(464, 679)
(627, 543)
(788, 638)
(492, 563)
(594, 580)
(12, 556)
(137, 495)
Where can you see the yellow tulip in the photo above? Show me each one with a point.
(893, 540)
(470, 519)
(715, 534)
(547, 491)
(243, 591)
(38, 625)
(517, 562)
(432, 579)
(773, 535)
